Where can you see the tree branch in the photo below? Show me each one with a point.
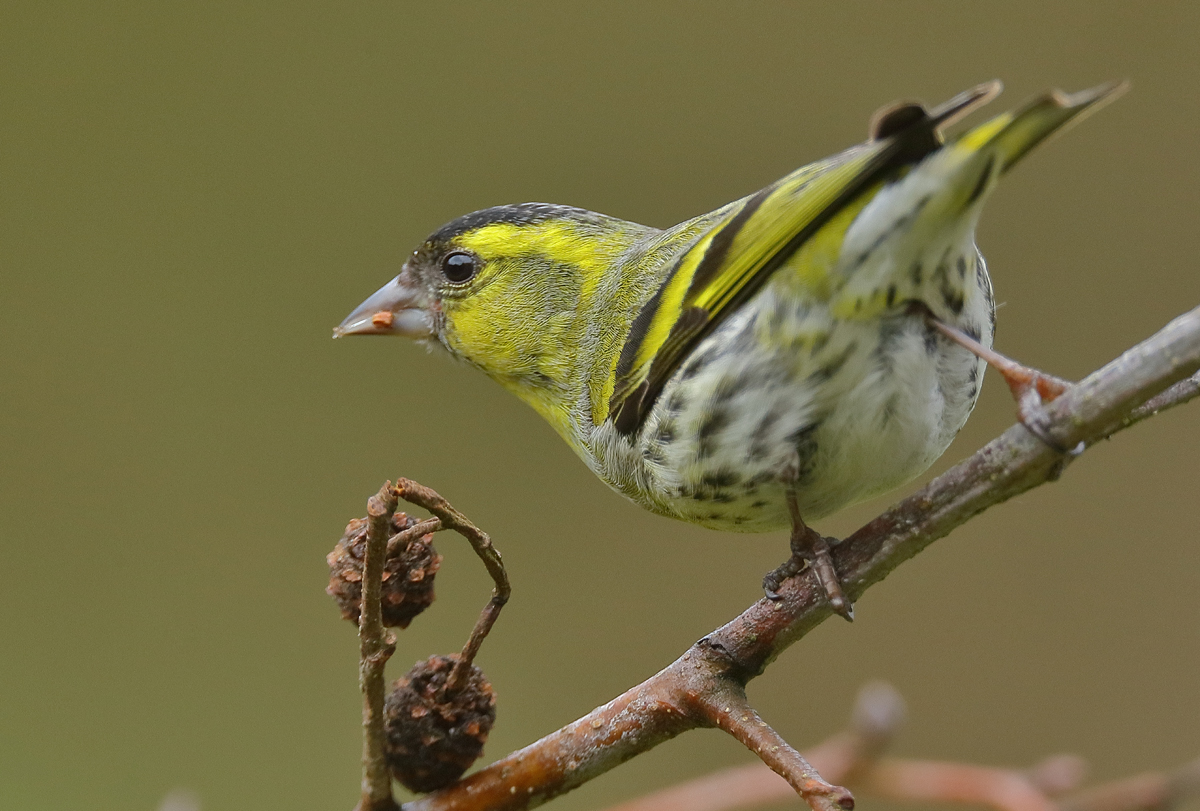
(666, 704)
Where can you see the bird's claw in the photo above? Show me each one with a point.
(773, 580)
(810, 549)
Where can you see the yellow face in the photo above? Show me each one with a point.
(515, 314)
(508, 290)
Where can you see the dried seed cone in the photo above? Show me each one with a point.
(433, 738)
(408, 574)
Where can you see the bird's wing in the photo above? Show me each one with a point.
(735, 257)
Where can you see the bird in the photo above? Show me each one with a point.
(758, 367)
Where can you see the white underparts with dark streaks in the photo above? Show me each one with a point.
(866, 401)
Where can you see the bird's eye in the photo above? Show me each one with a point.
(459, 266)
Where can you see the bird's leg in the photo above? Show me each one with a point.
(1030, 388)
(810, 548)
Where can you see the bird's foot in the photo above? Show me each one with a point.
(1031, 388)
(810, 548)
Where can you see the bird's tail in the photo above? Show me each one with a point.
(1010, 136)
(939, 201)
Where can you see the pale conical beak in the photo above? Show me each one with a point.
(394, 309)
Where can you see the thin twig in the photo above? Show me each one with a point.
(1177, 394)
(450, 518)
(400, 541)
(661, 708)
(483, 626)
(726, 707)
(376, 646)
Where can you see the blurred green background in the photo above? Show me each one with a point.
(192, 196)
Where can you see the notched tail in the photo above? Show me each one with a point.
(1016, 133)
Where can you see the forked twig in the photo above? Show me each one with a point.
(376, 644)
(450, 518)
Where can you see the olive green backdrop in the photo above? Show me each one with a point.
(192, 195)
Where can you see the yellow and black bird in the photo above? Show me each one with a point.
(811, 345)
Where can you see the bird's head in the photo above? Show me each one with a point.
(509, 290)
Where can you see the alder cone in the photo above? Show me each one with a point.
(433, 737)
(408, 574)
